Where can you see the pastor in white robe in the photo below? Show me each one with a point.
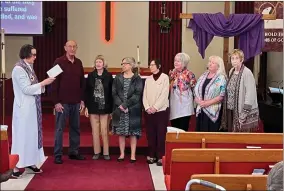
(24, 121)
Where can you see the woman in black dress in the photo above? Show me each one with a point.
(99, 105)
(209, 93)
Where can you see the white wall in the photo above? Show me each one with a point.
(131, 26)
(274, 68)
(13, 45)
(197, 64)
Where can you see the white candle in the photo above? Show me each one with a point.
(138, 57)
(3, 50)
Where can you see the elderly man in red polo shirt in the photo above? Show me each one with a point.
(68, 93)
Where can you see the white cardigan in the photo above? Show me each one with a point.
(156, 93)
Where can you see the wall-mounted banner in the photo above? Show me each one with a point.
(273, 28)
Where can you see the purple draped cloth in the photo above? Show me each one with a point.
(249, 28)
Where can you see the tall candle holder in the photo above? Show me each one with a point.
(3, 75)
(3, 78)
(138, 63)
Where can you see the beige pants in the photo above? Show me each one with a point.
(99, 125)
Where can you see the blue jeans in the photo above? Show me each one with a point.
(71, 111)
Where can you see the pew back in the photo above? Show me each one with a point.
(237, 182)
(4, 166)
(187, 162)
(219, 140)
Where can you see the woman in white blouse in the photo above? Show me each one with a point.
(156, 103)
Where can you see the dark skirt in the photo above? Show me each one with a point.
(204, 123)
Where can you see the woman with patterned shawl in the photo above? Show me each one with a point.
(182, 82)
(209, 93)
(240, 106)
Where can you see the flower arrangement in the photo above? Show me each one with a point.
(49, 23)
(165, 22)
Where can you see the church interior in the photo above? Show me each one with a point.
(120, 29)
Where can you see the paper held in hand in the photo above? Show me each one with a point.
(55, 71)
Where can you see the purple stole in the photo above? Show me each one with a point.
(34, 80)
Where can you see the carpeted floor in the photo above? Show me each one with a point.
(93, 175)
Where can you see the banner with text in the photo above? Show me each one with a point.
(273, 29)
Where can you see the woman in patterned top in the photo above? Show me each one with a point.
(240, 113)
(99, 105)
(182, 81)
(209, 93)
(127, 92)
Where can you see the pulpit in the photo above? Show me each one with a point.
(272, 116)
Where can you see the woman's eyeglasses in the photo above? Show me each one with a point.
(123, 64)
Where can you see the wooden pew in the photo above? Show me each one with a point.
(8, 162)
(187, 162)
(236, 182)
(218, 140)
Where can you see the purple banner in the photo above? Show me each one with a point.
(22, 17)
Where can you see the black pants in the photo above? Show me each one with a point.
(71, 111)
(156, 132)
(181, 123)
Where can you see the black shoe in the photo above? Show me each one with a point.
(58, 161)
(77, 157)
(17, 174)
(120, 159)
(96, 156)
(151, 160)
(132, 160)
(159, 162)
(33, 170)
(106, 157)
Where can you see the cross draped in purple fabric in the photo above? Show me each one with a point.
(249, 28)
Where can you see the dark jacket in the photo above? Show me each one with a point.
(90, 103)
(133, 103)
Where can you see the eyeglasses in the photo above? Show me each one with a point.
(33, 54)
(124, 64)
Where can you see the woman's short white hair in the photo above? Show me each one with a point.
(184, 59)
(275, 178)
(219, 61)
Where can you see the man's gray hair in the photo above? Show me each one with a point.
(184, 59)
(275, 178)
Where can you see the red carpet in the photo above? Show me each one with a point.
(93, 175)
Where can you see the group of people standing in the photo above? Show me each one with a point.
(227, 103)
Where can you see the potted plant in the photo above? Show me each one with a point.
(165, 24)
(49, 23)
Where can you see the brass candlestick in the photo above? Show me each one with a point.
(3, 98)
(138, 63)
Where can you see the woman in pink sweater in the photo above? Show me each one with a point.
(156, 104)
